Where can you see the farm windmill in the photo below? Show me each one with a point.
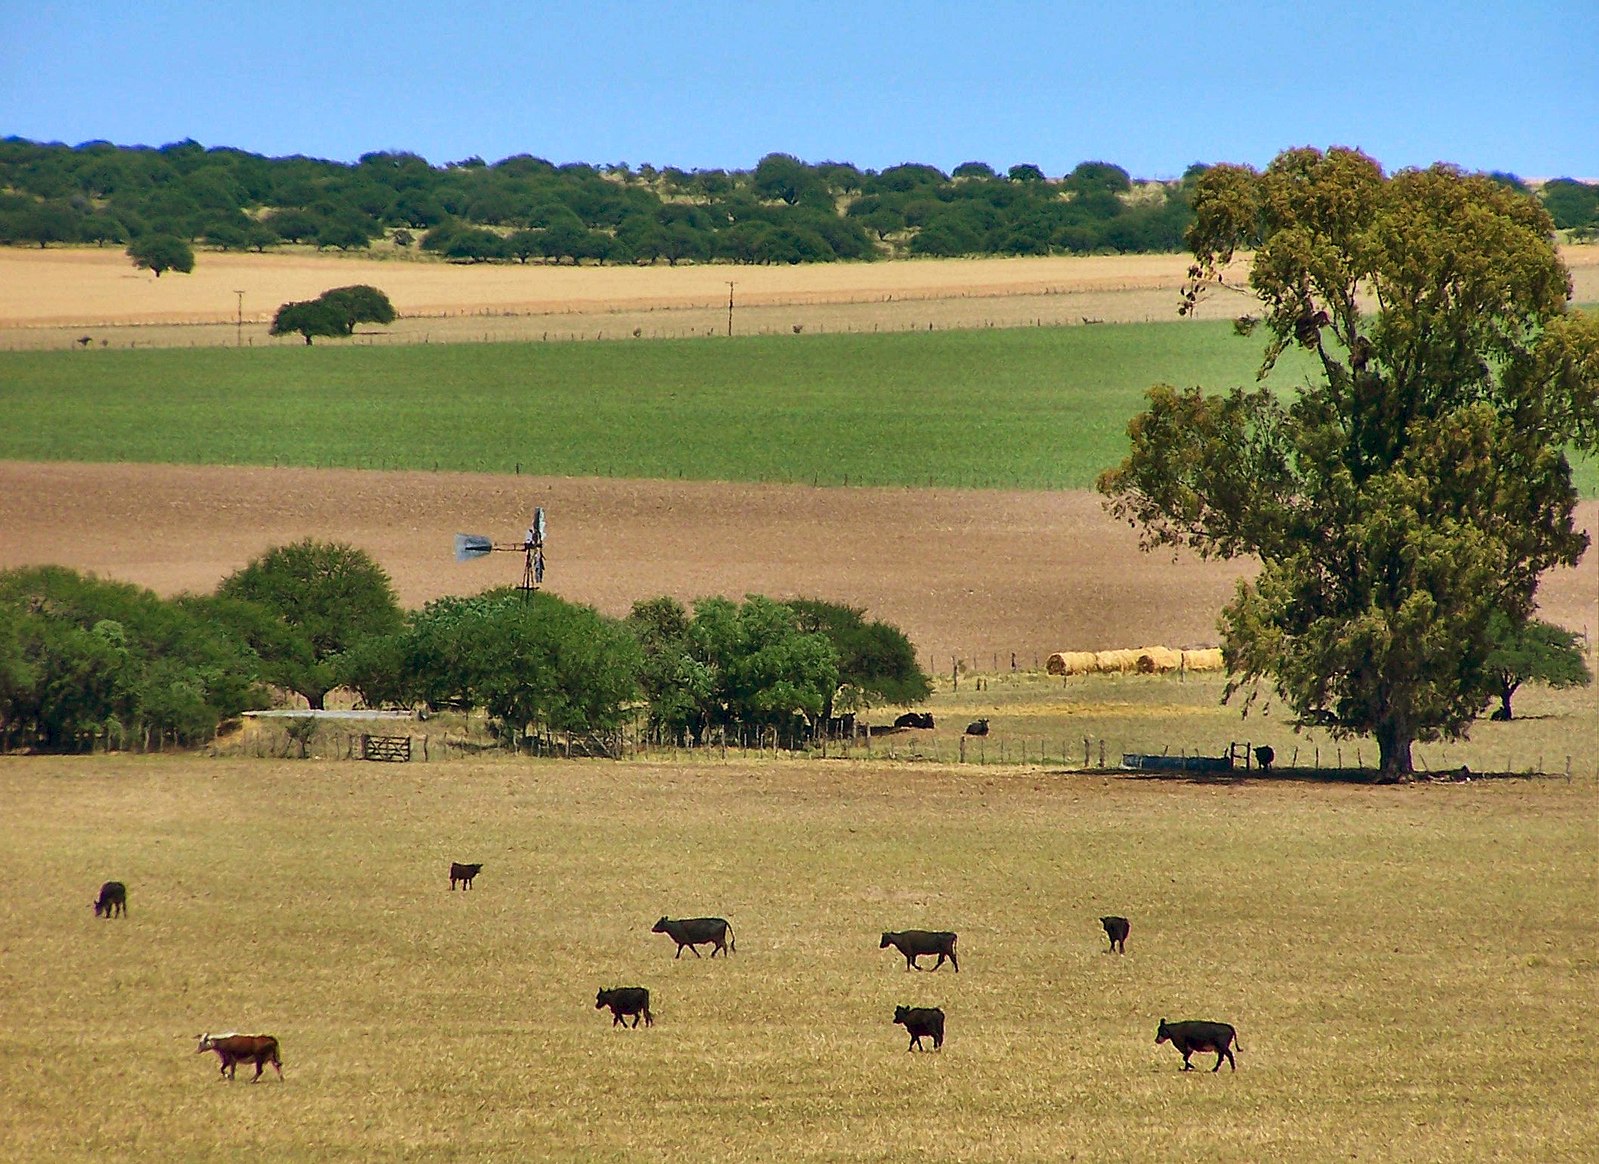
(469, 546)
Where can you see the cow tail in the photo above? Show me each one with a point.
(732, 940)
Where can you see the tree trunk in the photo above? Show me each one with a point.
(1506, 690)
(315, 700)
(1393, 748)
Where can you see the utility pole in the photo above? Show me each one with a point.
(238, 322)
(730, 307)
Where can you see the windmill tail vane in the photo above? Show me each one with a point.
(531, 547)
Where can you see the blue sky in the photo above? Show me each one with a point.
(1152, 87)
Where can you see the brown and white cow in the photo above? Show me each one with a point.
(233, 1048)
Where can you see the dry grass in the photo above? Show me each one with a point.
(50, 298)
(1407, 968)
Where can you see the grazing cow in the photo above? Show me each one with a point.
(233, 1049)
(914, 943)
(978, 727)
(113, 900)
(697, 931)
(914, 719)
(1116, 929)
(464, 874)
(626, 1000)
(920, 1021)
(1192, 1036)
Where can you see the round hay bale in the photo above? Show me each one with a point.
(1207, 659)
(1071, 663)
(1158, 660)
(1115, 662)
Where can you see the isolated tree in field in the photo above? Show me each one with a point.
(330, 596)
(308, 317)
(1537, 652)
(1419, 483)
(359, 303)
(161, 252)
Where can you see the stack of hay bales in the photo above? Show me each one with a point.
(1139, 660)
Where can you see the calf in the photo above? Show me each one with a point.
(697, 931)
(1192, 1036)
(1116, 929)
(464, 874)
(919, 1021)
(233, 1049)
(914, 943)
(113, 900)
(626, 1000)
(978, 727)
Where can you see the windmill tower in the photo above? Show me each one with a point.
(531, 547)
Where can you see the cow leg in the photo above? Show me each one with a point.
(953, 962)
(260, 1066)
(1231, 1062)
(1187, 1066)
(693, 949)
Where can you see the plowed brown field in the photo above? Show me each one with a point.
(977, 575)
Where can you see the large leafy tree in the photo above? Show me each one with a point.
(1416, 485)
(161, 252)
(308, 317)
(876, 661)
(84, 659)
(327, 598)
(529, 660)
(1538, 652)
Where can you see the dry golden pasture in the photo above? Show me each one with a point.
(1410, 969)
(54, 297)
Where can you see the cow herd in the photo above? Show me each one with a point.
(633, 1002)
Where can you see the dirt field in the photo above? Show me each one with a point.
(977, 575)
(52, 298)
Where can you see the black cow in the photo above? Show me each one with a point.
(626, 1000)
(978, 727)
(113, 900)
(464, 874)
(1192, 1036)
(914, 719)
(914, 943)
(920, 1021)
(697, 931)
(1116, 929)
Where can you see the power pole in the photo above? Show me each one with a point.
(238, 322)
(730, 307)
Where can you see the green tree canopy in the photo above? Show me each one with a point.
(529, 660)
(161, 252)
(328, 596)
(876, 659)
(86, 660)
(1536, 652)
(359, 303)
(308, 317)
(1418, 484)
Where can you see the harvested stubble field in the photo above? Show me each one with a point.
(51, 298)
(1407, 967)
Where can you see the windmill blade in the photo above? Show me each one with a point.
(469, 546)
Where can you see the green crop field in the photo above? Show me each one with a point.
(1036, 408)
(1410, 969)
(1033, 408)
